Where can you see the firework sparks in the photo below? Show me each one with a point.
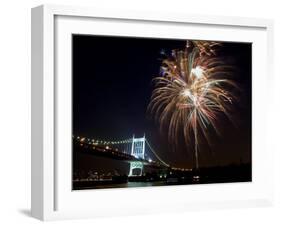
(191, 93)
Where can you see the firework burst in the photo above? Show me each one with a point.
(193, 89)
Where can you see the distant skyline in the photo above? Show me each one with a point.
(112, 87)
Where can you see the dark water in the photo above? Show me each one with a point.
(132, 184)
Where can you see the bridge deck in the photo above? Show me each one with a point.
(108, 152)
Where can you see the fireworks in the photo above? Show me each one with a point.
(193, 90)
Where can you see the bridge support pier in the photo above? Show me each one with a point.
(136, 169)
(137, 150)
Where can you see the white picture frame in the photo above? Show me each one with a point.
(52, 197)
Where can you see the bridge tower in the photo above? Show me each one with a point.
(137, 150)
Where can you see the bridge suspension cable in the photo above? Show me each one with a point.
(154, 152)
(97, 141)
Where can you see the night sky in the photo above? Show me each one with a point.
(112, 85)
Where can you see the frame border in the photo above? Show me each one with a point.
(43, 158)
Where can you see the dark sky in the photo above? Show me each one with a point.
(112, 85)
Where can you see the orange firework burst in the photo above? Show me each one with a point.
(193, 89)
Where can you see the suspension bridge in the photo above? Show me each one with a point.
(137, 151)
